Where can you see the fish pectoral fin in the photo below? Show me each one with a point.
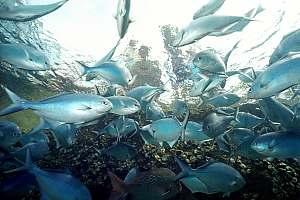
(194, 185)
(83, 107)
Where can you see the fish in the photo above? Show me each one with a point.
(226, 179)
(145, 94)
(288, 44)
(167, 130)
(148, 138)
(125, 127)
(206, 84)
(209, 8)
(63, 134)
(10, 134)
(276, 78)
(122, 17)
(281, 144)
(223, 100)
(55, 185)
(210, 61)
(194, 132)
(65, 107)
(121, 151)
(153, 112)
(248, 120)
(245, 150)
(277, 112)
(110, 71)
(239, 26)
(238, 136)
(123, 105)
(24, 13)
(157, 183)
(179, 107)
(24, 57)
(202, 27)
(215, 124)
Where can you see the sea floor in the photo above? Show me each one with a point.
(265, 179)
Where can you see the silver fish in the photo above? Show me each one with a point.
(24, 57)
(209, 8)
(276, 78)
(123, 105)
(122, 17)
(202, 27)
(23, 13)
(68, 107)
(288, 44)
(110, 71)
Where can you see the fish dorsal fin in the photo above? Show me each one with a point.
(56, 96)
(131, 175)
(118, 185)
(226, 58)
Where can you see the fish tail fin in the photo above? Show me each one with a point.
(83, 68)
(27, 165)
(17, 105)
(226, 58)
(12, 96)
(118, 185)
(185, 168)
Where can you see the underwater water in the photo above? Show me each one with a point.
(140, 99)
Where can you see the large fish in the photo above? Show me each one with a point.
(277, 112)
(215, 124)
(239, 26)
(212, 177)
(223, 100)
(210, 61)
(67, 108)
(204, 26)
(123, 105)
(167, 130)
(110, 71)
(276, 78)
(23, 13)
(290, 43)
(122, 17)
(145, 94)
(194, 132)
(158, 183)
(55, 185)
(154, 112)
(24, 57)
(209, 8)
(282, 145)
(121, 127)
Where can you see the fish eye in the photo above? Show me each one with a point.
(105, 103)
(30, 59)
(199, 58)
